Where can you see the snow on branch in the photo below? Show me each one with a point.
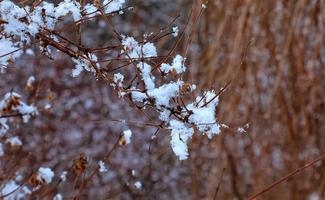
(165, 98)
(20, 24)
(160, 87)
(12, 106)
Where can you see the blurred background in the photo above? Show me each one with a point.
(273, 52)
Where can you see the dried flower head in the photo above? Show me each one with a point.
(185, 88)
(35, 180)
(12, 102)
(80, 164)
(122, 141)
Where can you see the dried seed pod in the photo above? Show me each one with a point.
(35, 180)
(186, 88)
(122, 141)
(50, 95)
(97, 3)
(13, 101)
(80, 164)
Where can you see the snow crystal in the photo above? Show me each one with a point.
(138, 185)
(14, 141)
(118, 79)
(127, 134)
(63, 176)
(15, 192)
(45, 174)
(30, 52)
(6, 47)
(30, 81)
(22, 108)
(19, 177)
(149, 50)
(241, 130)
(204, 115)
(177, 65)
(38, 20)
(9, 187)
(58, 197)
(164, 115)
(113, 5)
(84, 64)
(68, 6)
(224, 126)
(90, 10)
(26, 111)
(175, 31)
(165, 68)
(134, 50)
(164, 93)
(11, 14)
(147, 77)
(102, 167)
(49, 10)
(47, 106)
(78, 68)
(180, 134)
(138, 96)
(3, 126)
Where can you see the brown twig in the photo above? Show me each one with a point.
(219, 184)
(288, 176)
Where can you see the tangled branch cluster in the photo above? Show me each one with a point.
(21, 25)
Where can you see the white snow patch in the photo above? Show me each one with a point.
(138, 185)
(102, 167)
(127, 134)
(45, 174)
(14, 141)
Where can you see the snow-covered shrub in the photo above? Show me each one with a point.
(22, 25)
(158, 86)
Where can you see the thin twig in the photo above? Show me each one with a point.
(219, 184)
(295, 172)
